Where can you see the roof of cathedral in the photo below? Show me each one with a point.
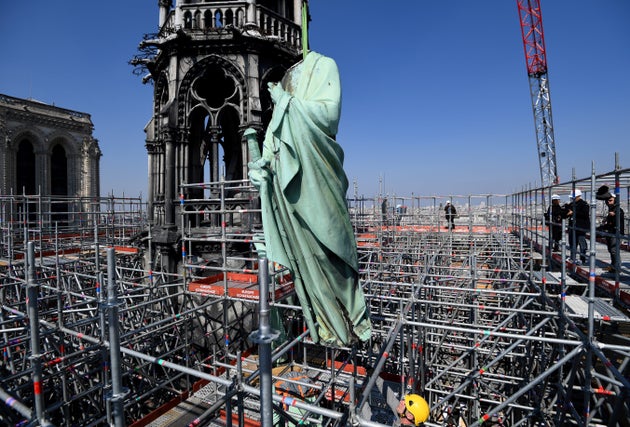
(38, 107)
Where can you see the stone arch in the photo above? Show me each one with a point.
(185, 99)
(240, 17)
(69, 143)
(24, 159)
(212, 103)
(37, 137)
(229, 17)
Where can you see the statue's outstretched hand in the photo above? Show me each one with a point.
(259, 172)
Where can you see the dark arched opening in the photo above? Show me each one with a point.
(25, 168)
(25, 178)
(59, 172)
(231, 143)
(198, 149)
(59, 183)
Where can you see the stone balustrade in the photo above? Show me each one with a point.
(219, 15)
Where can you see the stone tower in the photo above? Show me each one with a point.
(47, 150)
(210, 64)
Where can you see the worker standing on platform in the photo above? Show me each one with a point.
(450, 212)
(578, 212)
(554, 216)
(610, 226)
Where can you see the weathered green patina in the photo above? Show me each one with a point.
(302, 187)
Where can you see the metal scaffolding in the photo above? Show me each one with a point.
(482, 321)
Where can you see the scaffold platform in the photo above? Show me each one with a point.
(479, 320)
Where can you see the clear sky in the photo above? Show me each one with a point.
(435, 93)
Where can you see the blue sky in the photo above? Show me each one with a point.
(435, 94)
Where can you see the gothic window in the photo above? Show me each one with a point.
(229, 17)
(197, 21)
(214, 144)
(25, 168)
(214, 87)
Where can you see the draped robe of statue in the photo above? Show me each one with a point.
(305, 217)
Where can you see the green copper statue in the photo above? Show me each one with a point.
(302, 188)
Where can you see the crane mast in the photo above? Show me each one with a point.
(536, 59)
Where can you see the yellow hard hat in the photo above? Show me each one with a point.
(418, 407)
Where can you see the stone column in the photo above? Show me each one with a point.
(169, 190)
(4, 147)
(213, 154)
(297, 12)
(42, 170)
(251, 13)
(151, 178)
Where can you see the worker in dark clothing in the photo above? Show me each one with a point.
(609, 226)
(554, 216)
(579, 214)
(450, 212)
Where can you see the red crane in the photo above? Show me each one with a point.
(535, 55)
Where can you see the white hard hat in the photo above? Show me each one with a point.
(577, 193)
(448, 202)
(555, 197)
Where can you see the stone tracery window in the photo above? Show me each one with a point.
(215, 87)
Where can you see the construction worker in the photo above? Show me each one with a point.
(578, 212)
(450, 213)
(412, 410)
(610, 226)
(554, 216)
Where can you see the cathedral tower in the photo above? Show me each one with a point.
(210, 64)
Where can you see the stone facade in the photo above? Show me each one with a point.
(47, 150)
